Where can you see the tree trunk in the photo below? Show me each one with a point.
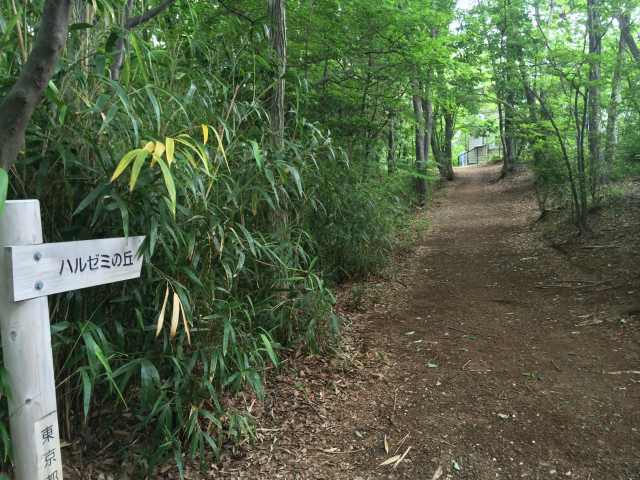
(508, 138)
(391, 144)
(594, 115)
(447, 165)
(278, 37)
(611, 138)
(421, 182)
(428, 127)
(119, 48)
(19, 104)
(623, 20)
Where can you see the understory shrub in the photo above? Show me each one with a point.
(241, 238)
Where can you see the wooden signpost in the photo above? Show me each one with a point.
(29, 271)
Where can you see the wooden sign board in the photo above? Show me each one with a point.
(40, 270)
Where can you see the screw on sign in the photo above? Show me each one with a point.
(29, 271)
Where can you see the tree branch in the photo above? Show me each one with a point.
(129, 23)
(19, 104)
(133, 22)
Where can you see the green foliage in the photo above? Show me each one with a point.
(628, 158)
(4, 186)
(242, 237)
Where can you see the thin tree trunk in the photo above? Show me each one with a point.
(391, 144)
(580, 119)
(594, 114)
(421, 183)
(611, 137)
(508, 139)
(447, 167)
(278, 37)
(17, 107)
(428, 126)
(118, 56)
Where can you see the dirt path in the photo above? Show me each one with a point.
(500, 359)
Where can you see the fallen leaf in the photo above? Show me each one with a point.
(391, 460)
(402, 457)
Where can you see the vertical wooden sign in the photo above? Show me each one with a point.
(26, 348)
(29, 271)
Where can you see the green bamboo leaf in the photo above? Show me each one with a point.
(269, 348)
(89, 199)
(155, 104)
(296, 176)
(257, 154)
(137, 166)
(4, 188)
(169, 183)
(6, 446)
(125, 161)
(87, 389)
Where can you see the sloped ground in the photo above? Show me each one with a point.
(492, 355)
(486, 354)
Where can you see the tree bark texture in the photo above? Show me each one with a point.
(594, 28)
(428, 126)
(19, 104)
(421, 160)
(278, 38)
(623, 21)
(611, 137)
(391, 144)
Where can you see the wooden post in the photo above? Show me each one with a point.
(28, 358)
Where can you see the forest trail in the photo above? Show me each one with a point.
(499, 360)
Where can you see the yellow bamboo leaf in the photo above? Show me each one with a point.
(175, 314)
(150, 147)
(391, 460)
(160, 322)
(124, 162)
(221, 147)
(205, 133)
(159, 149)
(185, 323)
(171, 148)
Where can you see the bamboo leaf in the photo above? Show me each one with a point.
(160, 321)
(135, 170)
(205, 133)
(159, 150)
(175, 315)
(171, 148)
(124, 162)
(269, 348)
(296, 176)
(257, 154)
(169, 183)
(4, 188)
(87, 388)
(221, 148)
(185, 323)
(155, 104)
(93, 195)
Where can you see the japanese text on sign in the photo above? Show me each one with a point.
(48, 448)
(95, 262)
